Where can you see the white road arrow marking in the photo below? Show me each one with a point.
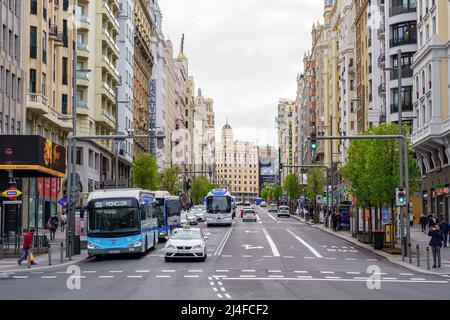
(249, 231)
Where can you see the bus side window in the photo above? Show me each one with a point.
(143, 213)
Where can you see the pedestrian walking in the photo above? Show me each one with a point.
(423, 222)
(27, 244)
(63, 222)
(52, 224)
(334, 220)
(432, 221)
(444, 231)
(436, 244)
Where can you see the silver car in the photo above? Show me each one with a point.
(283, 211)
(187, 243)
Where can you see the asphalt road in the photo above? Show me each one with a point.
(271, 259)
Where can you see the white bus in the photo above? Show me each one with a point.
(219, 208)
(121, 221)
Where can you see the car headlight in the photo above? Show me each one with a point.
(135, 244)
(199, 246)
(169, 246)
(91, 246)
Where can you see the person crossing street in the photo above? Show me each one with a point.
(27, 244)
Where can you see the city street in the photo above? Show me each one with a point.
(273, 258)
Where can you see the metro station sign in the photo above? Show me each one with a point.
(11, 193)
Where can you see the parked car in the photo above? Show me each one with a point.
(273, 207)
(283, 211)
(249, 215)
(200, 214)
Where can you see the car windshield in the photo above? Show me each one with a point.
(284, 208)
(249, 212)
(273, 205)
(187, 235)
(191, 215)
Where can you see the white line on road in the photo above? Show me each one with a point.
(247, 256)
(330, 258)
(215, 289)
(20, 277)
(115, 271)
(267, 256)
(332, 277)
(353, 272)
(219, 295)
(327, 272)
(222, 289)
(306, 278)
(248, 270)
(195, 270)
(247, 276)
(314, 251)
(191, 276)
(276, 276)
(274, 271)
(163, 276)
(259, 220)
(223, 242)
(211, 283)
(350, 259)
(226, 256)
(219, 283)
(389, 278)
(105, 277)
(228, 296)
(222, 271)
(300, 271)
(417, 279)
(168, 270)
(49, 277)
(271, 243)
(220, 276)
(406, 274)
(308, 257)
(372, 259)
(289, 257)
(142, 271)
(89, 271)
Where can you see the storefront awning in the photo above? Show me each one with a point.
(32, 156)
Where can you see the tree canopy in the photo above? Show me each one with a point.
(200, 188)
(144, 172)
(171, 180)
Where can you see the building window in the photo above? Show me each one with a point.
(32, 81)
(65, 34)
(33, 42)
(404, 33)
(64, 103)
(79, 156)
(44, 47)
(33, 7)
(64, 71)
(65, 5)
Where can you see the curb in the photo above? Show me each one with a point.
(43, 268)
(379, 253)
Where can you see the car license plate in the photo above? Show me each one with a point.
(113, 251)
(183, 251)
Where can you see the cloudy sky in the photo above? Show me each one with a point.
(244, 54)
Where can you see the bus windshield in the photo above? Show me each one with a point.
(159, 211)
(114, 220)
(173, 208)
(218, 205)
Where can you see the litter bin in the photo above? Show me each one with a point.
(378, 239)
(76, 245)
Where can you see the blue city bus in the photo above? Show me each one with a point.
(121, 221)
(168, 212)
(219, 207)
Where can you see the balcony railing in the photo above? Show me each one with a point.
(81, 103)
(82, 46)
(108, 115)
(83, 18)
(407, 72)
(403, 8)
(405, 107)
(38, 98)
(403, 41)
(82, 75)
(382, 59)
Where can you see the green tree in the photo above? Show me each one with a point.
(276, 193)
(316, 184)
(293, 189)
(171, 180)
(263, 193)
(200, 188)
(144, 172)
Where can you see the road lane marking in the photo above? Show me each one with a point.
(191, 276)
(389, 278)
(289, 257)
(134, 277)
(350, 259)
(372, 259)
(271, 217)
(274, 271)
(268, 256)
(333, 278)
(276, 276)
(215, 289)
(314, 251)
(308, 258)
(360, 278)
(159, 276)
(248, 270)
(195, 270)
(247, 276)
(247, 256)
(271, 243)
(259, 220)
(142, 271)
(89, 271)
(219, 295)
(228, 296)
(219, 283)
(226, 256)
(330, 258)
(222, 271)
(211, 283)
(407, 274)
(222, 244)
(327, 272)
(417, 279)
(49, 277)
(115, 271)
(301, 272)
(168, 270)
(222, 289)
(105, 277)
(307, 278)
(304, 277)
(20, 277)
(220, 276)
(353, 272)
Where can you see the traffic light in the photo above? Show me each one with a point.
(313, 139)
(281, 168)
(400, 197)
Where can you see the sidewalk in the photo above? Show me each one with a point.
(417, 238)
(10, 265)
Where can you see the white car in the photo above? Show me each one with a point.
(263, 204)
(191, 218)
(186, 243)
(200, 214)
(183, 220)
(283, 211)
(249, 215)
(273, 208)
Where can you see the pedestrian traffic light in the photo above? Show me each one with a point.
(281, 168)
(313, 139)
(400, 197)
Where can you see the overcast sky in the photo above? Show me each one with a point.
(244, 54)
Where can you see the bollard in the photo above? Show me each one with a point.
(409, 253)
(403, 251)
(418, 255)
(61, 259)
(49, 255)
(1, 249)
(428, 258)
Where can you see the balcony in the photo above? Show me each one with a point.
(63, 121)
(83, 22)
(37, 103)
(405, 108)
(381, 33)
(108, 65)
(407, 72)
(107, 10)
(82, 78)
(110, 41)
(403, 41)
(402, 8)
(105, 118)
(108, 92)
(56, 36)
